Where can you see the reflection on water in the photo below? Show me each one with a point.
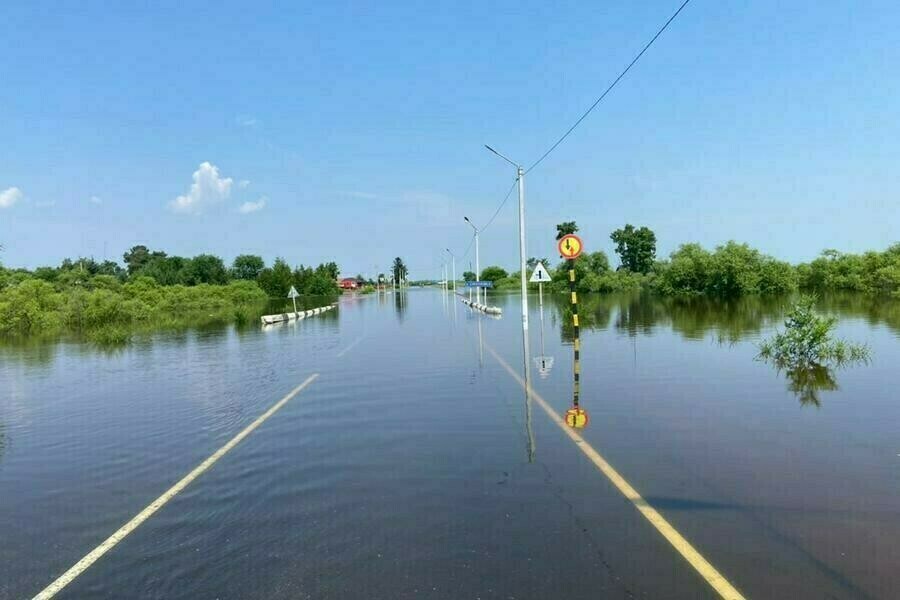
(725, 321)
(696, 318)
(526, 360)
(400, 301)
(401, 440)
(807, 382)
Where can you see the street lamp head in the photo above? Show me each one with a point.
(501, 156)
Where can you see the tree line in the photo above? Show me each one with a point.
(108, 301)
(140, 261)
(730, 270)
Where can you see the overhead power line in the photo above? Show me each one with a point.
(609, 89)
(499, 208)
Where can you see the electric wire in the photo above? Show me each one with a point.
(608, 89)
(502, 204)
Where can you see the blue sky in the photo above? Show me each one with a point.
(355, 131)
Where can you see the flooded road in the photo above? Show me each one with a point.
(415, 465)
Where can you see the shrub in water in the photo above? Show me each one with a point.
(807, 341)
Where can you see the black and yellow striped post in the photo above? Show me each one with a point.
(570, 248)
(575, 416)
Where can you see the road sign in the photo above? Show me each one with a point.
(293, 293)
(577, 418)
(570, 246)
(480, 284)
(540, 274)
(544, 365)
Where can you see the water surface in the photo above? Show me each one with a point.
(415, 466)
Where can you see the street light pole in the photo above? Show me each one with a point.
(520, 178)
(477, 262)
(522, 259)
(453, 257)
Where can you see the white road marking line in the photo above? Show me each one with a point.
(82, 565)
(350, 347)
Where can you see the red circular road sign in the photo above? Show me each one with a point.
(577, 418)
(570, 246)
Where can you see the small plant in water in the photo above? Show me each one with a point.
(807, 341)
(807, 352)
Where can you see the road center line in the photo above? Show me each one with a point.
(350, 347)
(690, 554)
(82, 565)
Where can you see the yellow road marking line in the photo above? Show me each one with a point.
(82, 565)
(350, 347)
(696, 560)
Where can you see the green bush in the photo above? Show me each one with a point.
(493, 274)
(31, 306)
(872, 272)
(807, 342)
(730, 271)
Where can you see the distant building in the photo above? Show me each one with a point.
(348, 283)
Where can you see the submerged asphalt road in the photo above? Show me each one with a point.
(412, 466)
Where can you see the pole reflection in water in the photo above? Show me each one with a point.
(400, 304)
(480, 343)
(543, 362)
(529, 432)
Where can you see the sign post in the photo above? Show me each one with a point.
(541, 275)
(293, 296)
(570, 248)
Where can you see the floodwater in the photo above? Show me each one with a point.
(415, 466)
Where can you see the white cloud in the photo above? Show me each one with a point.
(10, 196)
(96, 200)
(246, 121)
(208, 188)
(251, 207)
(244, 183)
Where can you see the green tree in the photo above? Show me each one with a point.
(565, 228)
(330, 269)
(48, 274)
(206, 268)
(167, 270)
(399, 270)
(247, 267)
(532, 262)
(636, 248)
(109, 267)
(469, 276)
(493, 274)
(138, 256)
(277, 280)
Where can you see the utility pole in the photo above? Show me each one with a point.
(477, 263)
(521, 173)
(453, 257)
(520, 179)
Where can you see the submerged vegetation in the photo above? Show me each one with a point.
(807, 341)
(107, 312)
(107, 302)
(808, 353)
